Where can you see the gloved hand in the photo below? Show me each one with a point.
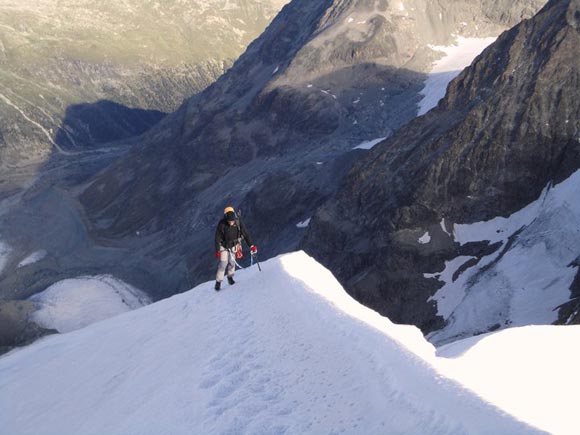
(218, 255)
(254, 249)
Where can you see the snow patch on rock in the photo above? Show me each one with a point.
(456, 58)
(367, 145)
(33, 258)
(453, 292)
(304, 224)
(425, 238)
(527, 278)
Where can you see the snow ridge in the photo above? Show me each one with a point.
(285, 350)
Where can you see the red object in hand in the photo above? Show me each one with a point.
(218, 254)
(254, 249)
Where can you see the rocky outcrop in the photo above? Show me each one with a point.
(507, 127)
(570, 312)
(15, 327)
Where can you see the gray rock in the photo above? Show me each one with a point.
(506, 128)
(16, 329)
(254, 139)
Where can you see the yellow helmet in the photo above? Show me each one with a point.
(227, 209)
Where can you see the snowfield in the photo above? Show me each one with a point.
(526, 279)
(283, 351)
(527, 371)
(75, 303)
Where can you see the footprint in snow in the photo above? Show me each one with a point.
(209, 382)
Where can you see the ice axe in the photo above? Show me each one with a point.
(255, 257)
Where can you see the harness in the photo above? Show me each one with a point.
(236, 250)
(234, 256)
(237, 241)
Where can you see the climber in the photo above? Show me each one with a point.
(228, 244)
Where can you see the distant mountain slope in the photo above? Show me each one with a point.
(64, 63)
(285, 350)
(274, 134)
(409, 219)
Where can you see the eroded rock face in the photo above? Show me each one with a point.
(507, 127)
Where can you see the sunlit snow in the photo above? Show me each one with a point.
(526, 371)
(285, 350)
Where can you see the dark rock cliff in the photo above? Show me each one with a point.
(508, 126)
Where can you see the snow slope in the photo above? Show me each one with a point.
(456, 58)
(526, 279)
(75, 303)
(284, 351)
(530, 372)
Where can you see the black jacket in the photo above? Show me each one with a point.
(228, 236)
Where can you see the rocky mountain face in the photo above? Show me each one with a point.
(507, 128)
(77, 74)
(273, 136)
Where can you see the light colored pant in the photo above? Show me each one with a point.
(227, 261)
